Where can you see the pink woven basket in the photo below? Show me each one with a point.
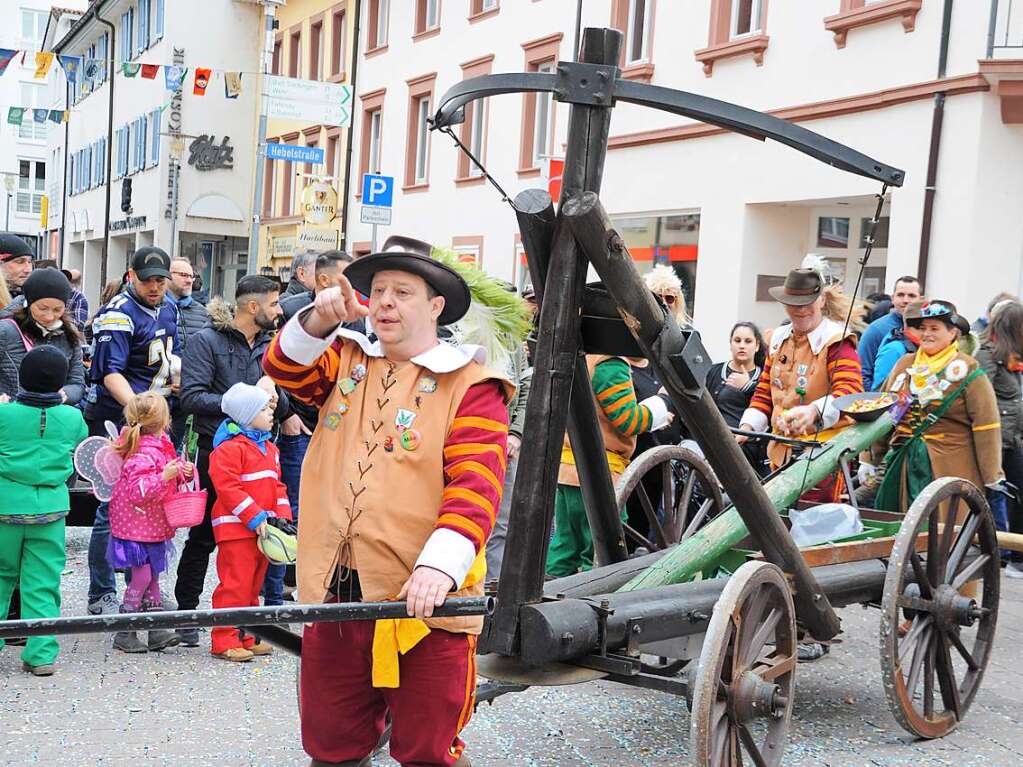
(186, 507)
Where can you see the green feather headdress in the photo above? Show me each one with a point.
(498, 319)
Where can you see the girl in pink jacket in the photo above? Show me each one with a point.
(140, 538)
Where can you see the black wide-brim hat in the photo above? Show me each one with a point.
(934, 309)
(405, 254)
(801, 287)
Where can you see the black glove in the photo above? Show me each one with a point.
(283, 525)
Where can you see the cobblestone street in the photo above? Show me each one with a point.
(184, 707)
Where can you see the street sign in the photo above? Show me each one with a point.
(374, 215)
(317, 238)
(292, 153)
(377, 191)
(290, 98)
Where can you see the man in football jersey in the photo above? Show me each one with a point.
(133, 339)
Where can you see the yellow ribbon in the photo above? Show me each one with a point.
(394, 637)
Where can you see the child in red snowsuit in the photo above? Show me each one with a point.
(245, 469)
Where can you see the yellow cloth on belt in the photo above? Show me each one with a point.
(615, 462)
(393, 637)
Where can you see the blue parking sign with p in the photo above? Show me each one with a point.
(377, 190)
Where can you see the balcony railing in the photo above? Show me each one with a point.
(1005, 30)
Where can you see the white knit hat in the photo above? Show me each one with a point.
(243, 402)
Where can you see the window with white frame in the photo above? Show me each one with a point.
(383, 11)
(145, 15)
(375, 122)
(158, 11)
(422, 139)
(746, 17)
(128, 35)
(102, 56)
(542, 120)
(31, 186)
(33, 26)
(639, 32)
(432, 14)
(121, 163)
(30, 130)
(477, 130)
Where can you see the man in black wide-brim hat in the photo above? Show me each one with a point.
(399, 490)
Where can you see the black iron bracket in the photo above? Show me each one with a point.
(586, 84)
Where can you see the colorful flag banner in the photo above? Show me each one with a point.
(202, 79)
(44, 60)
(232, 84)
(15, 115)
(6, 56)
(91, 68)
(174, 76)
(129, 69)
(56, 116)
(150, 71)
(40, 115)
(70, 65)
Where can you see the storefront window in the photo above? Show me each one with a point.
(671, 240)
(832, 232)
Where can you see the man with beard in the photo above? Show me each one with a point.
(230, 351)
(16, 261)
(133, 338)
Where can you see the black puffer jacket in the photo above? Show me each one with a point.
(219, 357)
(1008, 388)
(192, 317)
(13, 351)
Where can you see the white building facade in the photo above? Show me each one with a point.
(24, 175)
(729, 213)
(188, 158)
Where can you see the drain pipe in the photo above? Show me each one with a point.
(110, 146)
(937, 118)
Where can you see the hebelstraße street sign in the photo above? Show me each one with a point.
(290, 98)
(293, 153)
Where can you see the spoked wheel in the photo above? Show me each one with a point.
(689, 497)
(742, 696)
(932, 625)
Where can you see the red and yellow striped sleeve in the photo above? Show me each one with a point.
(761, 400)
(303, 366)
(475, 456)
(844, 370)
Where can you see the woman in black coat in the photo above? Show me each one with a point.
(39, 316)
(732, 384)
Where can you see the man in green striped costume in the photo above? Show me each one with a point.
(621, 418)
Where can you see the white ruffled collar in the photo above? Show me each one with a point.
(827, 330)
(442, 358)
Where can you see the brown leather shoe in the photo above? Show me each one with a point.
(261, 648)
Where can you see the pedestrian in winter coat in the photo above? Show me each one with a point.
(140, 537)
(39, 317)
(1001, 356)
(15, 261)
(246, 471)
(38, 436)
(192, 315)
(230, 351)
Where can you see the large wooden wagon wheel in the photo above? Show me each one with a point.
(944, 560)
(742, 693)
(690, 495)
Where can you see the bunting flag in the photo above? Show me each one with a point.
(150, 71)
(40, 115)
(57, 116)
(15, 115)
(174, 76)
(70, 65)
(129, 69)
(202, 79)
(232, 84)
(6, 56)
(44, 60)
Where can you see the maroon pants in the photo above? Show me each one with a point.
(343, 715)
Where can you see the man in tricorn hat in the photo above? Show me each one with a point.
(399, 490)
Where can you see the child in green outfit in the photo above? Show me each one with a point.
(621, 418)
(38, 437)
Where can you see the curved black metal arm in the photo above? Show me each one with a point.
(731, 117)
(758, 125)
(457, 96)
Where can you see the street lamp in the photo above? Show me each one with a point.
(10, 179)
